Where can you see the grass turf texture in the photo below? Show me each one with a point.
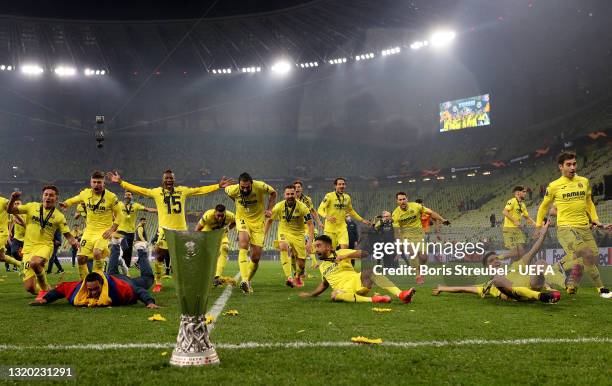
(275, 314)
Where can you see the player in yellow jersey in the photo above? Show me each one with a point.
(17, 234)
(248, 195)
(170, 201)
(291, 215)
(408, 226)
(123, 239)
(334, 208)
(4, 233)
(516, 285)
(42, 220)
(576, 213)
(218, 218)
(299, 194)
(348, 285)
(514, 211)
(102, 220)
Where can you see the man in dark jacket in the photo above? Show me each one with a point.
(106, 289)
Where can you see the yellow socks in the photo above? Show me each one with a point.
(386, 284)
(12, 260)
(41, 280)
(252, 269)
(593, 273)
(352, 298)
(98, 265)
(243, 263)
(286, 263)
(158, 269)
(83, 270)
(525, 293)
(222, 259)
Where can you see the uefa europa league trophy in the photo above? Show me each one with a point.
(194, 259)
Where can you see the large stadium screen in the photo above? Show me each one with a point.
(463, 113)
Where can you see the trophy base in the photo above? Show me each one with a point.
(204, 358)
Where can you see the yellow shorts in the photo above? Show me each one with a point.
(42, 251)
(254, 229)
(89, 242)
(3, 241)
(338, 237)
(413, 235)
(352, 284)
(573, 239)
(161, 239)
(296, 244)
(513, 237)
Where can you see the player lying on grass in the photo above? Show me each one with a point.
(347, 284)
(515, 286)
(106, 289)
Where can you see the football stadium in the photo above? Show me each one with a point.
(306, 192)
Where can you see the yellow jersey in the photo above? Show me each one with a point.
(250, 207)
(409, 218)
(572, 197)
(41, 224)
(170, 203)
(101, 209)
(140, 234)
(209, 222)
(128, 221)
(4, 217)
(18, 229)
(335, 273)
(516, 209)
(77, 233)
(337, 205)
(291, 220)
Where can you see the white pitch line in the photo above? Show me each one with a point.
(219, 305)
(294, 345)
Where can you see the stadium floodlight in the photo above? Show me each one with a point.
(281, 67)
(63, 71)
(391, 51)
(412, 180)
(2, 67)
(336, 61)
(442, 38)
(417, 45)
(214, 71)
(400, 181)
(32, 69)
(426, 179)
(471, 174)
(102, 72)
(9, 68)
(486, 173)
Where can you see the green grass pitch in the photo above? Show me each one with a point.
(275, 314)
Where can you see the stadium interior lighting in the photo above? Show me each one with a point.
(471, 174)
(391, 51)
(369, 55)
(442, 38)
(62, 71)
(337, 61)
(4, 67)
(281, 67)
(419, 45)
(309, 64)
(440, 178)
(400, 181)
(412, 180)
(31, 69)
(486, 173)
(251, 69)
(426, 179)
(222, 71)
(453, 176)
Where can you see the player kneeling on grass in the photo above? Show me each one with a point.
(516, 285)
(106, 289)
(347, 284)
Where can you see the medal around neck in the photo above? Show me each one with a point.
(194, 260)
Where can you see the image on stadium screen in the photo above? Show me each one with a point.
(467, 112)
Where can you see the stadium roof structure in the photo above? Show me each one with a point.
(206, 34)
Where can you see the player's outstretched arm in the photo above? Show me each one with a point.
(526, 258)
(116, 178)
(11, 208)
(318, 291)
(436, 216)
(355, 215)
(357, 254)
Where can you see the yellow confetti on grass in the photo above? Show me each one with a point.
(376, 309)
(301, 331)
(364, 340)
(209, 319)
(230, 313)
(164, 353)
(486, 322)
(157, 318)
